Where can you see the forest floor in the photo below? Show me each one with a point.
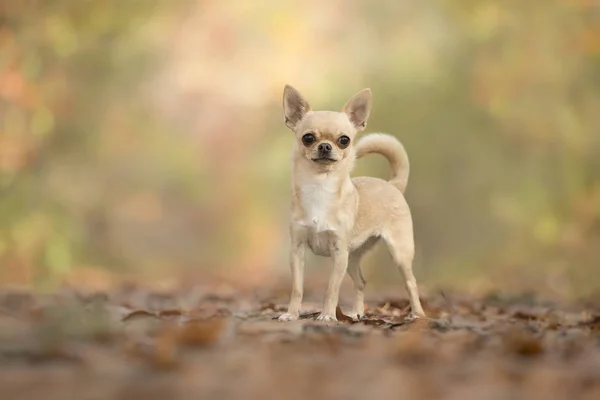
(218, 342)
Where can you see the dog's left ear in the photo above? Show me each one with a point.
(358, 108)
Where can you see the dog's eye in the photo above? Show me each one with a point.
(344, 141)
(308, 139)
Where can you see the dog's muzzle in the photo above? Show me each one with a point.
(324, 154)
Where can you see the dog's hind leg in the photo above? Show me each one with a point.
(401, 247)
(354, 271)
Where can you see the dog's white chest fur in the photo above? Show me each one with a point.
(317, 198)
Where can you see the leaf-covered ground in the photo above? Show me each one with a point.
(221, 343)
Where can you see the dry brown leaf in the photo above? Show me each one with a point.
(271, 306)
(201, 333)
(523, 344)
(374, 321)
(309, 315)
(527, 316)
(394, 303)
(167, 344)
(138, 314)
(160, 355)
(341, 317)
(170, 314)
(208, 313)
(593, 323)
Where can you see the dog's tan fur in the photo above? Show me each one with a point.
(342, 217)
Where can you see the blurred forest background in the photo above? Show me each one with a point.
(146, 137)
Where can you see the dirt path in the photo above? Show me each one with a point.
(202, 343)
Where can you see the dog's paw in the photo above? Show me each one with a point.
(288, 317)
(326, 317)
(413, 317)
(355, 316)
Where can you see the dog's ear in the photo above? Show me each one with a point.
(294, 107)
(358, 108)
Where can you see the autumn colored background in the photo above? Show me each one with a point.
(146, 138)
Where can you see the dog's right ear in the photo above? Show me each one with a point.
(294, 107)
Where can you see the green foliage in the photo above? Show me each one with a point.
(63, 63)
(148, 134)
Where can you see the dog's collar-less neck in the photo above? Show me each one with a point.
(319, 196)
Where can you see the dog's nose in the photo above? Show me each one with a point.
(325, 147)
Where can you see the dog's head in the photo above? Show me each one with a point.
(325, 138)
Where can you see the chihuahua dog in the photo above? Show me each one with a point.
(342, 217)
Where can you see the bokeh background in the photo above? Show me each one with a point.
(146, 138)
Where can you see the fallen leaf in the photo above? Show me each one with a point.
(525, 316)
(201, 333)
(167, 343)
(593, 323)
(341, 317)
(170, 314)
(523, 343)
(160, 354)
(138, 314)
(374, 321)
(394, 303)
(309, 315)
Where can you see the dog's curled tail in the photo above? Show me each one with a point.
(391, 148)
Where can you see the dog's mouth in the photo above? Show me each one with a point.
(324, 160)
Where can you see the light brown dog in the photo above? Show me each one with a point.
(341, 217)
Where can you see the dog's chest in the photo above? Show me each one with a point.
(317, 202)
(320, 242)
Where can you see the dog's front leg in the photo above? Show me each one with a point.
(339, 253)
(297, 252)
